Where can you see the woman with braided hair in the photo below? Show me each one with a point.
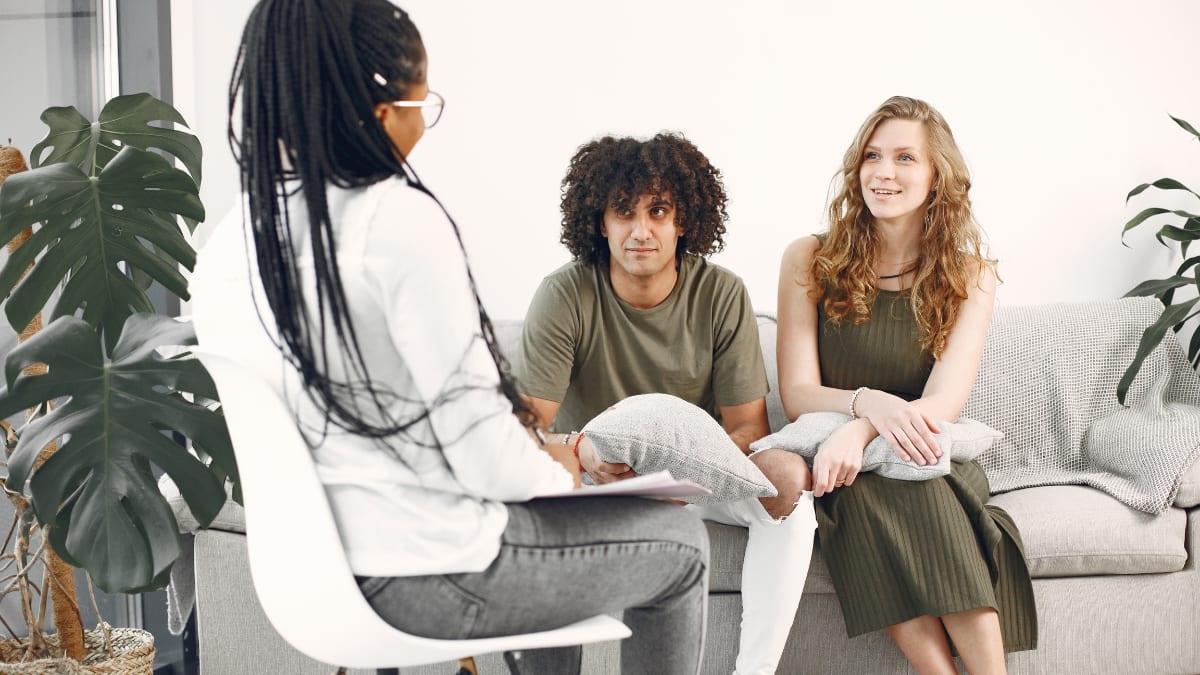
(343, 282)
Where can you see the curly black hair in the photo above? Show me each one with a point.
(618, 171)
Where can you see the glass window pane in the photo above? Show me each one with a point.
(54, 58)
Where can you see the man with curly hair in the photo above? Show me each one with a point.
(640, 310)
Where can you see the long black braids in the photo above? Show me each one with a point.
(307, 77)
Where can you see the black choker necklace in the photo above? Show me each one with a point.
(898, 274)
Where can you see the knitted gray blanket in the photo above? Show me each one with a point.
(1048, 381)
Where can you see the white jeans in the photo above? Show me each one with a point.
(774, 569)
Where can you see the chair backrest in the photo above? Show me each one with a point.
(297, 561)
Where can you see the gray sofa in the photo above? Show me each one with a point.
(1118, 590)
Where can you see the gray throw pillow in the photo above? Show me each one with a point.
(657, 432)
(960, 441)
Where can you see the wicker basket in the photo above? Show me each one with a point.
(132, 654)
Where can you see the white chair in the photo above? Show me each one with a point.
(297, 562)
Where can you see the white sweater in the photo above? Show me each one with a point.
(406, 285)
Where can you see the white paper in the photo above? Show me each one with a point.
(658, 484)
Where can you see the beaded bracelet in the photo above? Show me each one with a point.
(854, 399)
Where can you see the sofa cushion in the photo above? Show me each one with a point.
(1072, 530)
(960, 441)
(656, 432)
(767, 330)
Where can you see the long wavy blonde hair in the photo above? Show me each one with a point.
(951, 244)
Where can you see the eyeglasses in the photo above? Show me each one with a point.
(431, 107)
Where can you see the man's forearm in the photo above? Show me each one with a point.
(745, 423)
(558, 446)
(744, 435)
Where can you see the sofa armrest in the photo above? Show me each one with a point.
(1189, 487)
(1191, 537)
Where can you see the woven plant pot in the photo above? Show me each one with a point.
(132, 653)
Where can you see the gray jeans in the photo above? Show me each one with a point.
(563, 560)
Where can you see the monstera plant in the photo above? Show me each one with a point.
(1178, 312)
(104, 212)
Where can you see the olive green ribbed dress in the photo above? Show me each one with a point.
(896, 549)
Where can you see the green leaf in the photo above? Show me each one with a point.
(1151, 337)
(1177, 233)
(124, 121)
(70, 137)
(1194, 346)
(89, 226)
(1179, 326)
(1146, 214)
(1158, 286)
(1168, 297)
(97, 490)
(1187, 127)
(1162, 184)
(140, 278)
(1188, 264)
(1184, 235)
(1193, 226)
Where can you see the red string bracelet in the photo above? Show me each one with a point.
(576, 448)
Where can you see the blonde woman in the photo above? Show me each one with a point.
(884, 317)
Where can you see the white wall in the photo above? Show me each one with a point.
(1060, 108)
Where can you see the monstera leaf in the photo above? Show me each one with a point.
(89, 227)
(97, 491)
(124, 121)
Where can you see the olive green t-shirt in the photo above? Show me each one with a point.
(587, 349)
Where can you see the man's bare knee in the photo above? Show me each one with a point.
(790, 475)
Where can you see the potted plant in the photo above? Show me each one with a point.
(1178, 312)
(99, 218)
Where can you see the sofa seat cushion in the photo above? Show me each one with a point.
(1072, 530)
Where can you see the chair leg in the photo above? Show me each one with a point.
(513, 661)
